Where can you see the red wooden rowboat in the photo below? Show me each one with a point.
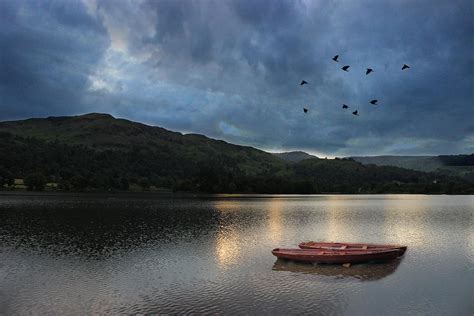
(335, 256)
(350, 246)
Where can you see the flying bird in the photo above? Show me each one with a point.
(345, 68)
(355, 113)
(345, 106)
(374, 102)
(405, 66)
(305, 110)
(335, 58)
(369, 70)
(303, 82)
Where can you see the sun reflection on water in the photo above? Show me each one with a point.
(227, 242)
(403, 229)
(235, 231)
(274, 223)
(338, 227)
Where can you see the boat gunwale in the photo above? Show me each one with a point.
(335, 244)
(335, 257)
(326, 252)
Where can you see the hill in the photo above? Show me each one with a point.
(99, 152)
(294, 156)
(103, 132)
(452, 165)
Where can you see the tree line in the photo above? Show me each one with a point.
(79, 167)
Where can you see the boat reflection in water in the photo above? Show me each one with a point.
(363, 272)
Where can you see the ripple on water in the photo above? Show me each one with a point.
(85, 254)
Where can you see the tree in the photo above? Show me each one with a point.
(124, 184)
(79, 182)
(35, 181)
(5, 177)
(144, 183)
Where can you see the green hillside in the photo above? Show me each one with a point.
(103, 132)
(451, 165)
(294, 156)
(100, 152)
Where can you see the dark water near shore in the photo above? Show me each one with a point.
(89, 254)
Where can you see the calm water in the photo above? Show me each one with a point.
(84, 254)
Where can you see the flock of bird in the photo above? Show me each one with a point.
(346, 69)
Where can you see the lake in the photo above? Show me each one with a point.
(70, 254)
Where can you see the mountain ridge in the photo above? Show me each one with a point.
(113, 124)
(294, 156)
(461, 165)
(97, 151)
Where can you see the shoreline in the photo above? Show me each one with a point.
(202, 194)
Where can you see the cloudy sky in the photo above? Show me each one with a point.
(230, 69)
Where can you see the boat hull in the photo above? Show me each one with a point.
(351, 246)
(339, 257)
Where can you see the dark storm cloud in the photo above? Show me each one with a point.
(231, 69)
(47, 51)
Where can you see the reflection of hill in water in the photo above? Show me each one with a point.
(363, 272)
(99, 225)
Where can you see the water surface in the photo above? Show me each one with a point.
(91, 253)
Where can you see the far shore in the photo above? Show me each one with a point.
(191, 194)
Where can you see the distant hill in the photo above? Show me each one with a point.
(104, 132)
(421, 163)
(99, 152)
(453, 165)
(294, 156)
